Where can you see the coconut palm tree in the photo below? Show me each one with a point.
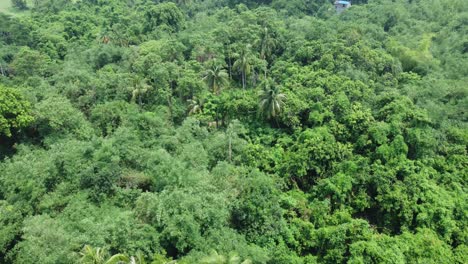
(90, 255)
(138, 259)
(243, 64)
(195, 105)
(216, 258)
(266, 43)
(216, 77)
(139, 89)
(271, 101)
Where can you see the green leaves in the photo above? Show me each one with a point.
(139, 146)
(313, 154)
(30, 62)
(243, 63)
(99, 256)
(422, 246)
(216, 78)
(166, 16)
(257, 211)
(183, 216)
(271, 101)
(56, 118)
(15, 111)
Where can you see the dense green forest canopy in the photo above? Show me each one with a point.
(233, 131)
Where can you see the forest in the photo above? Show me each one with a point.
(233, 132)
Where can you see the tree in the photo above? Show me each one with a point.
(195, 105)
(271, 101)
(10, 227)
(90, 255)
(138, 147)
(29, 62)
(215, 77)
(165, 15)
(165, 77)
(243, 64)
(184, 2)
(55, 117)
(266, 43)
(15, 111)
(140, 88)
(20, 4)
(257, 212)
(183, 215)
(216, 258)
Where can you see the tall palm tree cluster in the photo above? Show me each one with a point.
(217, 78)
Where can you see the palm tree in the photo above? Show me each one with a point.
(271, 101)
(90, 255)
(103, 36)
(243, 63)
(216, 258)
(216, 77)
(2, 70)
(139, 89)
(138, 259)
(267, 44)
(195, 105)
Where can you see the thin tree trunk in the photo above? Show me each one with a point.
(230, 149)
(253, 78)
(243, 80)
(230, 66)
(180, 92)
(169, 104)
(223, 119)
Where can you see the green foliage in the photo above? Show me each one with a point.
(15, 111)
(257, 212)
(29, 62)
(216, 78)
(98, 256)
(56, 117)
(10, 219)
(166, 16)
(20, 4)
(233, 132)
(271, 102)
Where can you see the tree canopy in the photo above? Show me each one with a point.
(233, 131)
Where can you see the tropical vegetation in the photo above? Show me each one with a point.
(233, 131)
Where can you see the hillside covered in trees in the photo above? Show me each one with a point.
(234, 131)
